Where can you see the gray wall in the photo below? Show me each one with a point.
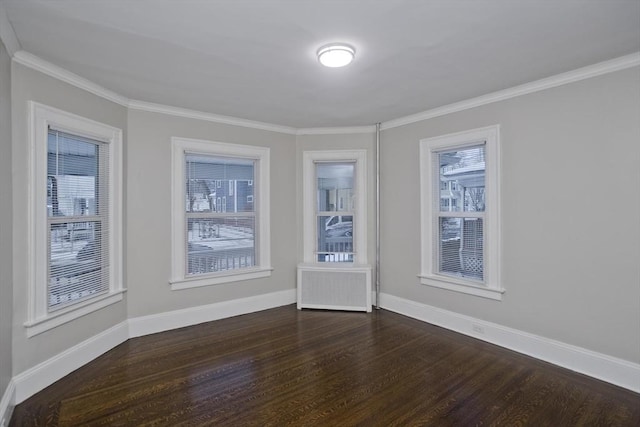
(570, 209)
(148, 218)
(27, 85)
(6, 214)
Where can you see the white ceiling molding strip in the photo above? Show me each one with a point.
(29, 60)
(199, 115)
(598, 69)
(7, 34)
(336, 130)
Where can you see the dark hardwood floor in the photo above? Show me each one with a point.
(304, 368)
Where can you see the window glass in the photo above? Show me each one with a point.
(335, 186)
(335, 239)
(72, 172)
(220, 214)
(465, 171)
(460, 245)
(76, 253)
(335, 193)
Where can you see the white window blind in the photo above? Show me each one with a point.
(77, 218)
(335, 211)
(220, 214)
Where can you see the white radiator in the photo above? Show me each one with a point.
(334, 288)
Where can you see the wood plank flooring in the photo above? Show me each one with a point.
(317, 368)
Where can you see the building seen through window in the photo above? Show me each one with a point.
(220, 214)
(462, 203)
(76, 219)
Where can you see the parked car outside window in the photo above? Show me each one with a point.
(339, 226)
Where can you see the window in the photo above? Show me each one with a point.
(460, 221)
(76, 220)
(334, 211)
(334, 207)
(220, 218)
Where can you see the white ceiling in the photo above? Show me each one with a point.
(255, 59)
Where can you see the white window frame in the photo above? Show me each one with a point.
(179, 148)
(310, 158)
(491, 286)
(41, 117)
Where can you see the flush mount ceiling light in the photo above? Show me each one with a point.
(336, 55)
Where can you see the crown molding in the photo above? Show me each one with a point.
(336, 130)
(7, 33)
(598, 69)
(199, 115)
(29, 60)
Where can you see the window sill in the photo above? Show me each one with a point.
(320, 266)
(219, 278)
(462, 286)
(62, 316)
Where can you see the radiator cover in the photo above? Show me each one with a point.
(334, 287)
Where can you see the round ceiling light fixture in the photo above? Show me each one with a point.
(336, 55)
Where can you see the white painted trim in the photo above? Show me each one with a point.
(617, 64)
(465, 287)
(336, 130)
(209, 117)
(33, 380)
(73, 312)
(37, 378)
(224, 277)
(6, 404)
(36, 63)
(155, 323)
(597, 365)
(28, 60)
(46, 373)
(7, 33)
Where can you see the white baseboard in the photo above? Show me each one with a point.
(35, 379)
(601, 366)
(44, 374)
(6, 404)
(145, 325)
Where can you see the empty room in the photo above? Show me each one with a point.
(320, 213)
